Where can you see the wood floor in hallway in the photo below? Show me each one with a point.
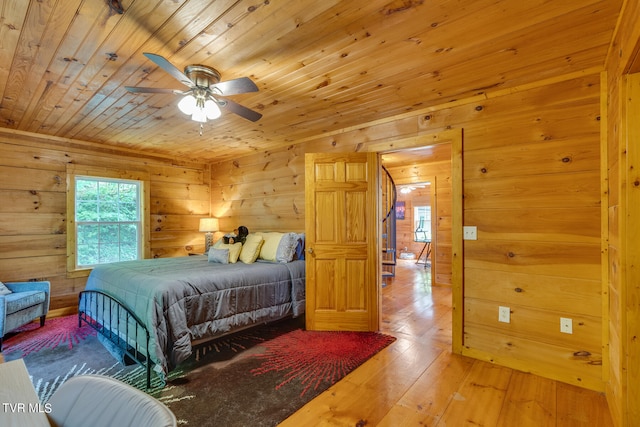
(417, 381)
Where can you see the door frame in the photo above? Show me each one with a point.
(455, 137)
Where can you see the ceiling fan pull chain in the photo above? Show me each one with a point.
(201, 127)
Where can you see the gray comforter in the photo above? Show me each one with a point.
(188, 298)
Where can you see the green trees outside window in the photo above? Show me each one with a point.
(107, 215)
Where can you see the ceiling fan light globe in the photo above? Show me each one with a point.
(211, 109)
(199, 116)
(187, 105)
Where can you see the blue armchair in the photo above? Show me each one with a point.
(26, 302)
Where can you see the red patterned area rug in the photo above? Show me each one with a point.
(257, 377)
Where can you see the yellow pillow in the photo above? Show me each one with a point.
(270, 246)
(251, 248)
(234, 250)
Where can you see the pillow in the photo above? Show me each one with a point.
(4, 290)
(221, 256)
(287, 247)
(251, 248)
(234, 250)
(299, 247)
(270, 246)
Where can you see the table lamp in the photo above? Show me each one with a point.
(208, 226)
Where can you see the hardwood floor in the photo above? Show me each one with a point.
(418, 381)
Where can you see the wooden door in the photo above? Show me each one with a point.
(342, 226)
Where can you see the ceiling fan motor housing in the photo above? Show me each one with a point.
(202, 75)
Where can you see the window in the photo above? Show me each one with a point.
(422, 225)
(107, 220)
(107, 215)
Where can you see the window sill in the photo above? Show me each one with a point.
(79, 273)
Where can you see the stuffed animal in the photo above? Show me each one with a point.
(239, 235)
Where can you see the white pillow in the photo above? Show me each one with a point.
(287, 247)
(4, 290)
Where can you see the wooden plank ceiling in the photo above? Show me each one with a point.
(320, 65)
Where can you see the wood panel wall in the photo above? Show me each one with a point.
(33, 210)
(621, 155)
(264, 191)
(531, 186)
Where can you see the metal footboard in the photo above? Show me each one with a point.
(116, 323)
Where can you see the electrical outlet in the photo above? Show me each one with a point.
(566, 325)
(504, 314)
(470, 232)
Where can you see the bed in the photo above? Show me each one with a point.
(154, 310)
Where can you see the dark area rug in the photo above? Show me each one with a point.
(256, 377)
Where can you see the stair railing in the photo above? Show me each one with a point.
(389, 199)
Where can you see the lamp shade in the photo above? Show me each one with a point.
(209, 224)
(199, 115)
(187, 104)
(211, 109)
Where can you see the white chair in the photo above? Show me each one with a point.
(100, 401)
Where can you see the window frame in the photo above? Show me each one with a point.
(75, 171)
(416, 221)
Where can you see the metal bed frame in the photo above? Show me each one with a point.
(102, 312)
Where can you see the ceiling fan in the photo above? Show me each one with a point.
(406, 189)
(206, 94)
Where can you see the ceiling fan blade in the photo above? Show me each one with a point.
(240, 110)
(170, 68)
(136, 89)
(235, 86)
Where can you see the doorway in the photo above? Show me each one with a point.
(422, 177)
(415, 229)
(436, 158)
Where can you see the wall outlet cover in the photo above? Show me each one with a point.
(504, 314)
(566, 325)
(470, 232)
